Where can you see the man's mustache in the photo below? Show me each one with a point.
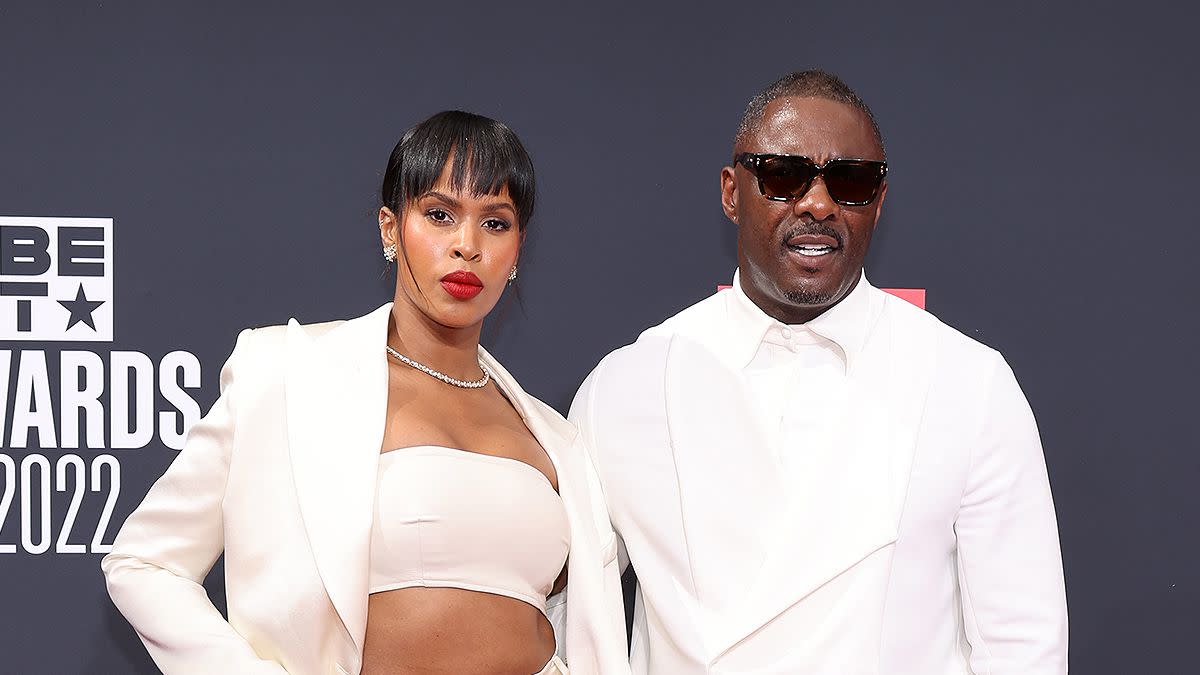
(814, 228)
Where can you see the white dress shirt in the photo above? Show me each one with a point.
(797, 378)
(863, 493)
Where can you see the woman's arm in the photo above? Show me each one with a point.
(168, 545)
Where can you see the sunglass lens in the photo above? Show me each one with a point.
(785, 177)
(853, 182)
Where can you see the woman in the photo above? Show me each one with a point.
(387, 498)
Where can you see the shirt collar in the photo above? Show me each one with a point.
(846, 324)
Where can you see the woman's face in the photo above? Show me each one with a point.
(460, 250)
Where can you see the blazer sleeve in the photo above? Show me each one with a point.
(612, 554)
(1009, 563)
(169, 543)
(580, 415)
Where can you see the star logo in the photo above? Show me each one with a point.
(81, 309)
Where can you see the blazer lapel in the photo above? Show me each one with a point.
(550, 429)
(720, 451)
(911, 361)
(589, 638)
(336, 403)
(336, 390)
(838, 516)
(755, 556)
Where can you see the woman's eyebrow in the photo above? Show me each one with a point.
(445, 198)
(490, 207)
(499, 206)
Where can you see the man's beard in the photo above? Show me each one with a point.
(802, 297)
(805, 297)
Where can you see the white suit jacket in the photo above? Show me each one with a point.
(280, 475)
(926, 546)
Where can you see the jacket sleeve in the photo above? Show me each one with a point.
(1009, 563)
(556, 605)
(169, 543)
(609, 628)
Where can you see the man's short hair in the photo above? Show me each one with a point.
(802, 84)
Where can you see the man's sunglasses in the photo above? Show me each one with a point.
(783, 178)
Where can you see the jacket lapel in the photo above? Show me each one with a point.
(755, 556)
(336, 390)
(552, 431)
(589, 639)
(837, 516)
(720, 450)
(336, 403)
(911, 361)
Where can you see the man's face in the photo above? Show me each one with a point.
(776, 240)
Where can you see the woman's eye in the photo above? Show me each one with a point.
(438, 215)
(496, 224)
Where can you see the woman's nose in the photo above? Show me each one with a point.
(465, 245)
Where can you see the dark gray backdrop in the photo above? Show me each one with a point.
(1043, 171)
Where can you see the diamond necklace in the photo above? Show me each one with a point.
(465, 384)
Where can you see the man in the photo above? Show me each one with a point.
(811, 476)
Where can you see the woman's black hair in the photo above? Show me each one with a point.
(487, 157)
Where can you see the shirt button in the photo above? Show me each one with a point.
(796, 348)
(786, 333)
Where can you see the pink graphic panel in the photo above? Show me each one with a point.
(914, 295)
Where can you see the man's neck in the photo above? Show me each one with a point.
(792, 313)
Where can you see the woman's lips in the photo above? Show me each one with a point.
(462, 284)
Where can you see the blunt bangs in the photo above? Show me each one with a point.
(487, 156)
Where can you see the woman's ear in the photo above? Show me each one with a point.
(389, 227)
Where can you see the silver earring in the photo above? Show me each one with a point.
(512, 276)
(389, 253)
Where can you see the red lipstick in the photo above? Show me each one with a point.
(462, 284)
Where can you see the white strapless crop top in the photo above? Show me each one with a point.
(447, 518)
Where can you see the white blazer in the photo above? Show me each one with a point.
(280, 476)
(926, 545)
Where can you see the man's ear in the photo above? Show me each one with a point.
(729, 193)
(879, 201)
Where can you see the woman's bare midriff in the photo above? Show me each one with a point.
(450, 631)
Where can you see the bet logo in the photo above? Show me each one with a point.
(56, 279)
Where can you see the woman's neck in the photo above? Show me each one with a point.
(453, 351)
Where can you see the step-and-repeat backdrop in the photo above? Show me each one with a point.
(170, 175)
